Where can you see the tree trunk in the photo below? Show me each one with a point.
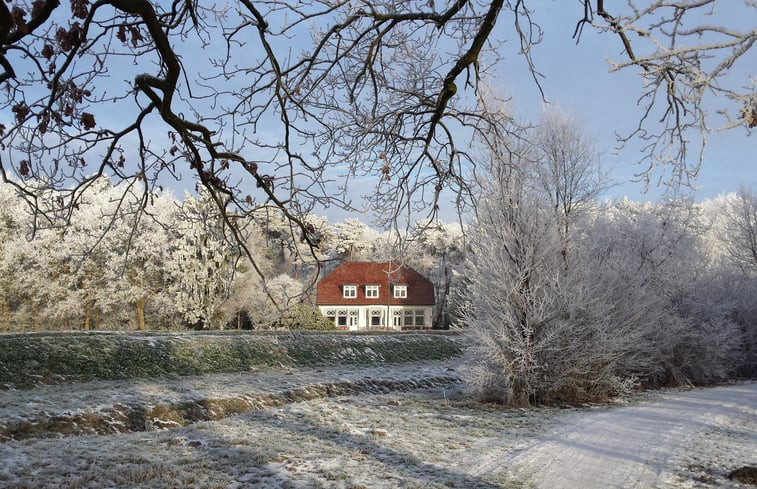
(36, 319)
(87, 314)
(440, 321)
(140, 306)
(6, 315)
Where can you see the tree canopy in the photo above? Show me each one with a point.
(292, 103)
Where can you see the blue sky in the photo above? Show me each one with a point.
(577, 78)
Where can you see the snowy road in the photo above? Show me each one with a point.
(647, 444)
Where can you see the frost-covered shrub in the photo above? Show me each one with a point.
(536, 333)
(302, 316)
(569, 305)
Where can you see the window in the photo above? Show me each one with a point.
(420, 318)
(408, 320)
(397, 318)
(400, 291)
(376, 318)
(331, 315)
(347, 317)
(371, 291)
(341, 317)
(349, 291)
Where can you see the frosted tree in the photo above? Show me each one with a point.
(203, 262)
(142, 241)
(734, 288)
(86, 258)
(514, 271)
(298, 249)
(571, 299)
(437, 251)
(104, 269)
(653, 263)
(310, 252)
(58, 286)
(16, 257)
(635, 305)
(567, 169)
(354, 240)
(249, 304)
(741, 243)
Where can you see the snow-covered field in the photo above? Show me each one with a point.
(397, 426)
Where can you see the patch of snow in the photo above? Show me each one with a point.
(647, 444)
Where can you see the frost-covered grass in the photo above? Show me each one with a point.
(426, 438)
(27, 360)
(107, 407)
(714, 452)
(354, 424)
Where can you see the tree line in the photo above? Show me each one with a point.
(119, 262)
(556, 304)
(266, 104)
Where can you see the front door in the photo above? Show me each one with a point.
(397, 319)
(352, 322)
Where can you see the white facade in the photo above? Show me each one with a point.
(377, 316)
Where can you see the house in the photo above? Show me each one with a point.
(363, 295)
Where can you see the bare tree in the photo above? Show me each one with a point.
(567, 169)
(639, 303)
(538, 331)
(685, 54)
(289, 103)
(741, 239)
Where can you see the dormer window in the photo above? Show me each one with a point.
(400, 291)
(349, 291)
(371, 291)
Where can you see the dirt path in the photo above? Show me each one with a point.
(647, 444)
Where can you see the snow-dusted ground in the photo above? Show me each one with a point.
(147, 404)
(679, 438)
(427, 437)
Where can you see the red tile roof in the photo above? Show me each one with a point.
(420, 291)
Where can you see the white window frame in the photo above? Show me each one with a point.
(341, 317)
(400, 291)
(375, 316)
(408, 317)
(349, 291)
(420, 313)
(397, 318)
(371, 291)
